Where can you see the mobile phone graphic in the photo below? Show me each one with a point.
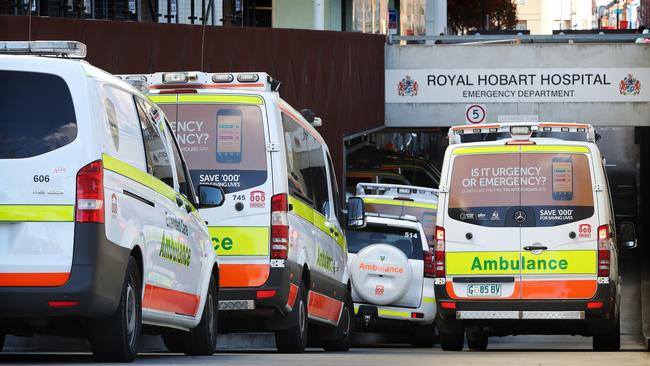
(229, 136)
(562, 179)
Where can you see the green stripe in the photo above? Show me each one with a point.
(301, 209)
(399, 314)
(429, 299)
(36, 213)
(380, 201)
(133, 173)
(211, 98)
(158, 99)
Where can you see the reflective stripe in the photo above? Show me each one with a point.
(502, 263)
(163, 98)
(36, 213)
(485, 150)
(429, 299)
(243, 275)
(34, 279)
(304, 211)
(399, 314)
(381, 201)
(240, 240)
(211, 98)
(518, 148)
(556, 149)
(135, 174)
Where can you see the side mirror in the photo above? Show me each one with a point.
(210, 196)
(628, 235)
(356, 218)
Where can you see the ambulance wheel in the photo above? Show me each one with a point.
(452, 341)
(2, 341)
(341, 335)
(423, 336)
(294, 339)
(202, 340)
(116, 337)
(610, 340)
(477, 341)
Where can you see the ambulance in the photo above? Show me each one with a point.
(280, 234)
(525, 240)
(99, 228)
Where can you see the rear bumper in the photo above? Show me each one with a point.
(95, 281)
(530, 316)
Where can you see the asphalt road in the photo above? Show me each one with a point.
(521, 350)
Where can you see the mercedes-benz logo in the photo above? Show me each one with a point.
(520, 216)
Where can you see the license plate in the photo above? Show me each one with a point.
(484, 290)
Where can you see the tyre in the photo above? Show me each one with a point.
(202, 340)
(610, 340)
(477, 341)
(116, 337)
(2, 341)
(294, 339)
(452, 341)
(424, 336)
(340, 337)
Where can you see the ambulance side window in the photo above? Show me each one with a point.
(319, 176)
(335, 189)
(158, 163)
(181, 175)
(299, 178)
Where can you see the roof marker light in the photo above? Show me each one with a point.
(223, 78)
(71, 49)
(248, 78)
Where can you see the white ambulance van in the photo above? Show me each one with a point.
(525, 237)
(99, 233)
(279, 235)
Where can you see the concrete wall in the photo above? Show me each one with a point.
(519, 57)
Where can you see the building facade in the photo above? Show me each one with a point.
(545, 16)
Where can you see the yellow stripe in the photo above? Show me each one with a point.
(240, 240)
(356, 309)
(400, 314)
(36, 213)
(556, 149)
(167, 98)
(381, 201)
(429, 299)
(508, 263)
(210, 98)
(303, 210)
(485, 150)
(131, 172)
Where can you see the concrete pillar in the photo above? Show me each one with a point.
(435, 17)
(319, 15)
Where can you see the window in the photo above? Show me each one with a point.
(158, 163)
(181, 176)
(299, 178)
(318, 176)
(406, 240)
(37, 114)
(335, 190)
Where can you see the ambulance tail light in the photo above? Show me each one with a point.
(439, 252)
(429, 265)
(279, 226)
(90, 193)
(604, 250)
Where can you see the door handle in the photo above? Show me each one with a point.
(533, 248)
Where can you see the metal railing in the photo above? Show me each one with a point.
(518, 39)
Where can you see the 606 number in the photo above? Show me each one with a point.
(41, 178)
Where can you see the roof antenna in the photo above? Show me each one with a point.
(29, 21)
(205, 21)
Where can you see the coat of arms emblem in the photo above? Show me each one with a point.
(407, 87)
(630, 85)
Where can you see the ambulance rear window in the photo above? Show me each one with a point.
(549, 188)
(407, 240)
(223, 144)
(36, 114)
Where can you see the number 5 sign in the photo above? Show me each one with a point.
(474, 114)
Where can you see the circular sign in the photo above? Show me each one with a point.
(475, 114)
